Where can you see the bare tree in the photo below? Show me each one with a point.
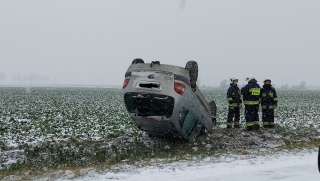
(286, 86)
(25, 79)
(2, 77)
(33, 78)
(16, 78)
(301, 86)
(45, 79)
(223, 84)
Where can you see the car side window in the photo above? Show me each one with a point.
(187, 120)
(182, 114)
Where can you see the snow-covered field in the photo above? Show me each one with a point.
(48, 129)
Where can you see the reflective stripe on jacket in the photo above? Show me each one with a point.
(251, 102)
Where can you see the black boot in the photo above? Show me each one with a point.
(236, 125)
(249, 128)
(266, 124)
(229, 124)
(271, 124)
(256, 127)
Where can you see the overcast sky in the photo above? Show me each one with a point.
(94, 42)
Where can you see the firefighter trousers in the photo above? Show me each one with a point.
(251, 114)
(268, 117)
(234, 113)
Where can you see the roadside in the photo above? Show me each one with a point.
(294, 165)
(221, 153)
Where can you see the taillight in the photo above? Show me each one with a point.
(125, 83)
(179, 87)
(148, 118)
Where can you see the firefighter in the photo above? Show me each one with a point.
(269, 102)
(235, 103)
(251, 99)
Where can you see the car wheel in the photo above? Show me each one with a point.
(213, 111)
(137, 60)
(192, 67)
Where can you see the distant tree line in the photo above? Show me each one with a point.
(224, 84)
(303, 85)
(27, 79)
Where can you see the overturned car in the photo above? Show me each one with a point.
(164, 100)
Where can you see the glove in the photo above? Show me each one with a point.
(263, 107)
(231, 106)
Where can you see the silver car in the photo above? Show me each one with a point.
(164, 100)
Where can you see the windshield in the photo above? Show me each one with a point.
(145, 104)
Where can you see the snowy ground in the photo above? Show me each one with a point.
(284, 166)
(76, 115)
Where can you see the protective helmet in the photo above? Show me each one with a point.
(266, 79)
(249, 77)
(233, 79)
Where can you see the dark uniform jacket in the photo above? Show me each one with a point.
(251, 93)
(234, 95)
(268, 96)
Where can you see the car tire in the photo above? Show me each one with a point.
(192, 67)
(213, 111)
(137, 60)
